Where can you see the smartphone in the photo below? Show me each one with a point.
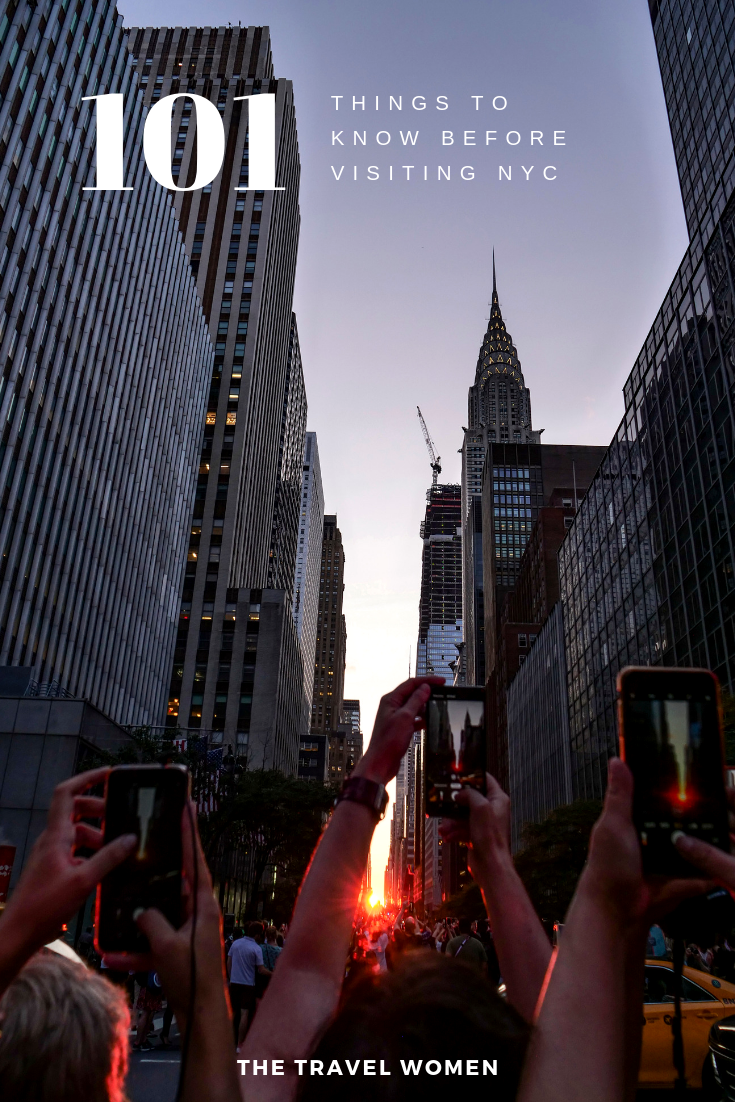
(456, 747)
(671, 737)
(148, 801)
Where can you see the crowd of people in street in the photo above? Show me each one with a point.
(414, 994)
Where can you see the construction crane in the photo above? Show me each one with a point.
(436, 460)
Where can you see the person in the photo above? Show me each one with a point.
(377, 943)
(587, 1036)
(469, 947)
(405, 935)
(271, 950)
(521, 944)
(147, 1005)
(485, 933)
(54, 885)
(244, 963)
(64, 1035)
(429, 1007)
(656, 941)
(696, 957)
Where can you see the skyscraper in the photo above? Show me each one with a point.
(440, 605)
(309, 559)
(331, 635)
(351, 714)
(440, 634)
(105, 360)
(648, 568)
(287, 504)
(696, 52)
(498, 410)
(232, 674)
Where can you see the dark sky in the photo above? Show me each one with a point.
(394, 278)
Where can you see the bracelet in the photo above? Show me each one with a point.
(368, 793)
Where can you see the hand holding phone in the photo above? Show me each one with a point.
(148, 801)
(456, 747)
(670, 725)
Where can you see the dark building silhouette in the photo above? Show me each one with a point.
(331, 636)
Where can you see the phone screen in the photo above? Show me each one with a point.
(456, 747)
(671, 740)
(147, 801)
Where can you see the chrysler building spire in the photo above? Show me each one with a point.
(499, 400)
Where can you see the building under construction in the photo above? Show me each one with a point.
(440, 607)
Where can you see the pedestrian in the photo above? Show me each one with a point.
(469, 948)
(270, 950)
(244, 963)
(656, 942)
(148, 1003)
(377, 943)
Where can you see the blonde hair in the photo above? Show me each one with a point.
(64, 1035)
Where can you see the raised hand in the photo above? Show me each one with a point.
(56, 882)
(400, 713)
(170, 953)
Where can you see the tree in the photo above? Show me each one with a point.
(276, 820)
(553, 856)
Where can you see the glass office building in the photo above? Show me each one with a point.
(105, 360)
(647, 569)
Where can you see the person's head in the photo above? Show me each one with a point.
(271, 935)
(64, 1035)
(430, 1008)
(465, 925)
(279, 941)
(409, 924)
(237, 933)
(255, 931)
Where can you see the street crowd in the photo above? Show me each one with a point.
(275, 1014)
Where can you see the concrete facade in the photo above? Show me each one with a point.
(242, 248)
(43, 742)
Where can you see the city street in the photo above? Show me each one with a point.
(153, 1076)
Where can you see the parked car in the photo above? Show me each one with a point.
(706, 1003)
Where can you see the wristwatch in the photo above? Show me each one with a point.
(368, 793)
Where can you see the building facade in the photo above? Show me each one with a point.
(309, 559)
(351, 715)
(519, 480)
(498, 411)
(244, 533)
(329, 660)
(105, 361)
(287, 503)
(539, 762)
(647, 569)
(440, 604)
(313, 755)
(345, 751)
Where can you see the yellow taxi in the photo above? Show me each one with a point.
(704, 1000)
